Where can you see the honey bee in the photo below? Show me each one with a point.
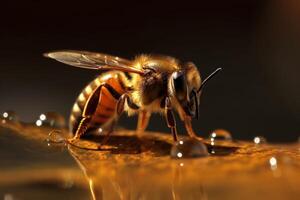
(146, 84)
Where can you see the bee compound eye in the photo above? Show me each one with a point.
(180, 86)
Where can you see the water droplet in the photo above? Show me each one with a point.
(10, 116)
(259, 140)
(51, 119)
(219, 135)
(188, 148)
(55, 137)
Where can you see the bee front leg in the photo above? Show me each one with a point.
(170, 118)
(189, 129)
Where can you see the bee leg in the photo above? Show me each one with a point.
(189, 129)
(88, 112)
(143, 121)
(121, 104)
(119, 109)
(82, 127)
(170, 118)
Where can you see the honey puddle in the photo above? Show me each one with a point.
(148, 167)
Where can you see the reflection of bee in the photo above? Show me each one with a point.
(144, 85)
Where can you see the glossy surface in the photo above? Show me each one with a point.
(128, 167)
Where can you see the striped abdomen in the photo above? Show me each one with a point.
(101, 97)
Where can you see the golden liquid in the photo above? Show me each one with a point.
(130, 167)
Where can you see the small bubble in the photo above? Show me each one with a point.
(220, 135)
(42, 117)
(51, 119)
(9, 116)
(5, 115)
(179, 154)
(259, 140)
(188, 148)
(273, 163)
(99, 131)
(39, 122)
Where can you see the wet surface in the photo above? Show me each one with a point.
(131, 167)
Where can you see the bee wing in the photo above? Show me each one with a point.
(93, 60)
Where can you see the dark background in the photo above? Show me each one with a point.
(256, 42)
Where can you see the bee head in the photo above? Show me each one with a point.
(186, 87)
(184, 84)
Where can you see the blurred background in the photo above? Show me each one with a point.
(256, 42)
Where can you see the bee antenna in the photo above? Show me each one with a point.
(196, 101)
(208, 78)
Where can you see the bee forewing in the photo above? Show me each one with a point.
(72, 58)
(92, 60)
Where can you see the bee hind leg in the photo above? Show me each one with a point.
(82, 127)
(88, 112)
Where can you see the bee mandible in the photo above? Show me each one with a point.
(146, 84)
